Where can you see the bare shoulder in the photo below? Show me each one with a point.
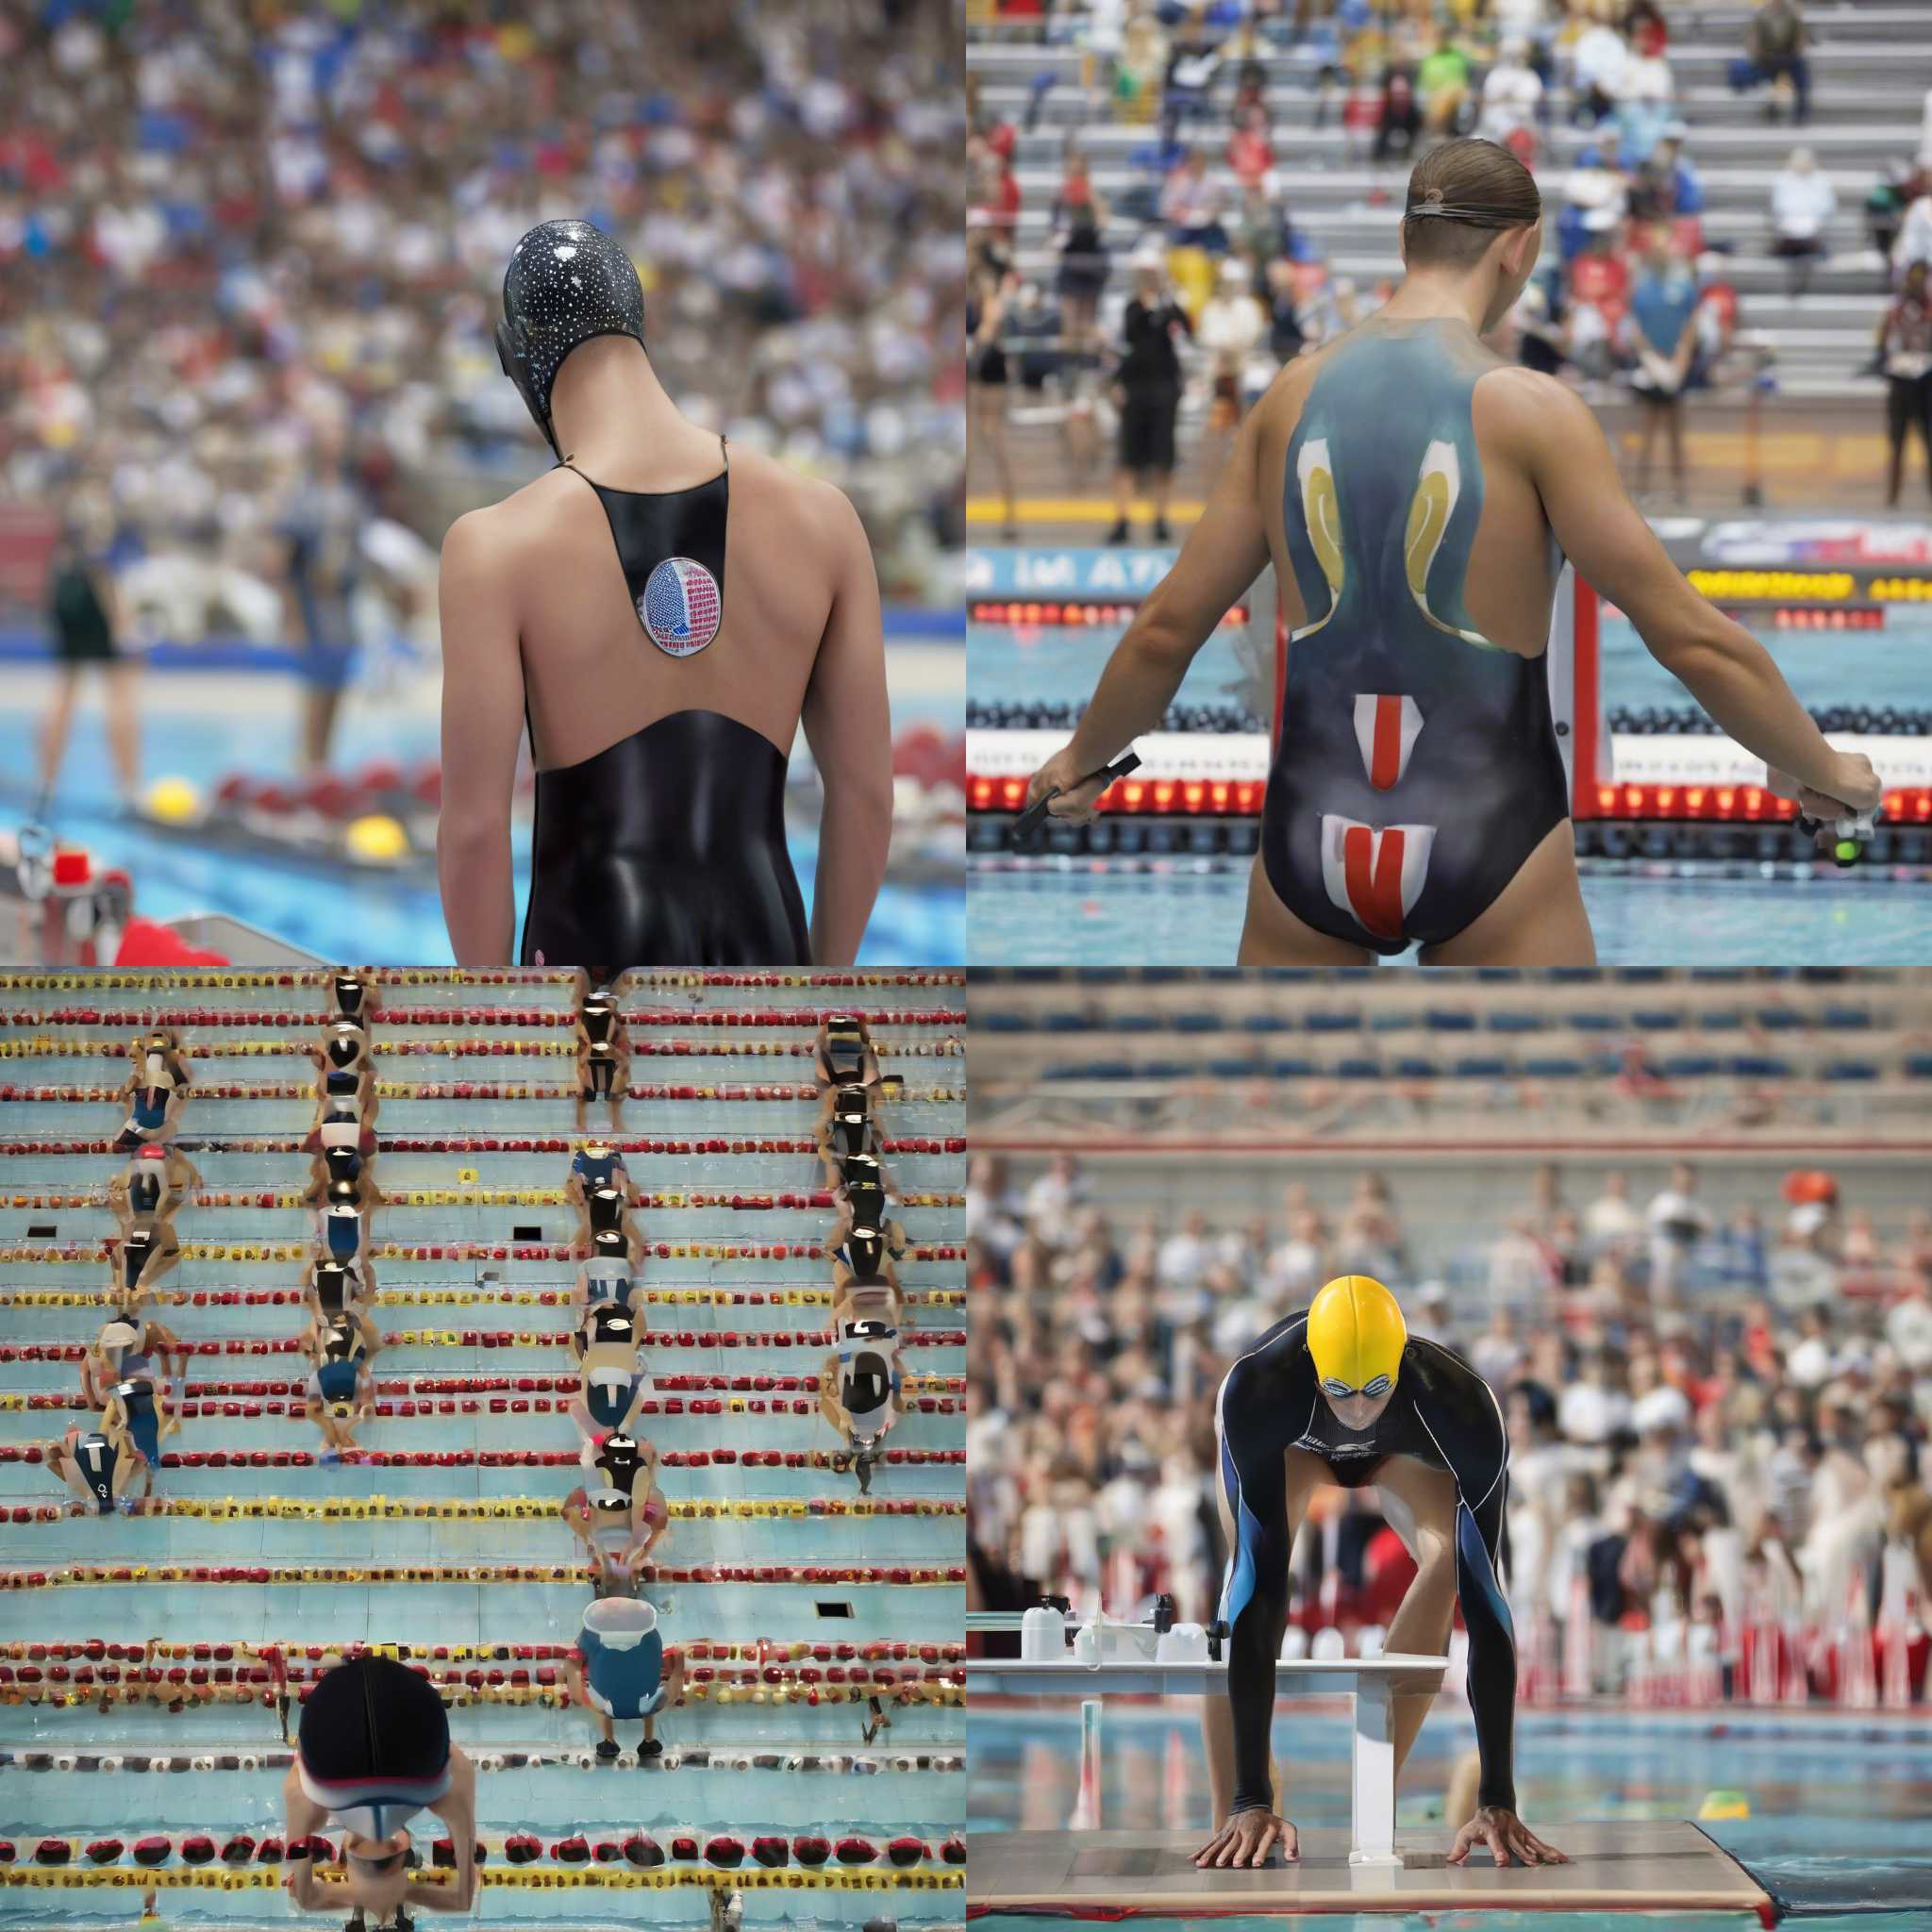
(477, 541)
(1526, 403)
(808, 506)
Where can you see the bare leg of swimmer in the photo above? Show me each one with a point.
(1420, 1504)
(54, 727)
(1305, 1472)
(124, 728)
(1272, 936)
(1537, 919)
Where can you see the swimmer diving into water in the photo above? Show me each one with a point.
(661, 613)
(1343, 1394)
(1416, 496)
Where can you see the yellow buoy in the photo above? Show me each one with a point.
(174, 800)
(377, 838)
(1722, 1804)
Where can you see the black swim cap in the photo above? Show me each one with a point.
(566, 283)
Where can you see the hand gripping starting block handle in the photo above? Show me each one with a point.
(1374, 1682)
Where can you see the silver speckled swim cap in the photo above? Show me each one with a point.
(567, 282)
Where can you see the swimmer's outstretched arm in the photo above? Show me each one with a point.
(1224, 555)
(1724, 668)
(482, 725)
(848, 724)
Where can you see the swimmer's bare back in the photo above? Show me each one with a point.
(1530, 461)
(679, 746)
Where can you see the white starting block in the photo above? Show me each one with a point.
(1374, 1682)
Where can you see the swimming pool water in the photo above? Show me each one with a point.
(697, 1787)
(201, 726)
(1189, 912)
(1837, 1804)
(1893, 666)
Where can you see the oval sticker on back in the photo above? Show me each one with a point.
(680, 608)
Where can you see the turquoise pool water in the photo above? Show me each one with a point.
(742, 1767)
(1043, 912)
(201, 726)
(1187, 912)
(1837, 1802)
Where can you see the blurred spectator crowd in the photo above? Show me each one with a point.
(1707, 1411)
(243, 245)
(1631, 289)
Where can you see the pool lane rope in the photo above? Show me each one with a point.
(657, 1339)
(720, 1145)
(466, 1091)
(455, 1046)
(533, 1757)
(380, 1509)
(465, 1297)
(816, 1201)
(690, 980)
(863, 1576)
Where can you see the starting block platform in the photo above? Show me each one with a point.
(1634, 1866)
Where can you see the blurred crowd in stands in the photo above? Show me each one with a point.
(1632, 291)
(1708, 1411)
(250, 259)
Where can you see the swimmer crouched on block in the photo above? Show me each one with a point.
(1343, 1394)
(375, 1749)
(1417, 794)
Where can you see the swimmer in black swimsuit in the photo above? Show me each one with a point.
(662, 646)
(149, 1250)
(155, 1091)
(97, 1474)
(845, 1055)
(152, 1185)
(1416, 496)
(864, 1258)
(374, 1750)
(1345, 1395)
(621, 1516)
(848, 1124)
(603, 1054)
(130, 1346)
(353, 994)
(334, 1290)
(860, 1199)
(341, 1392)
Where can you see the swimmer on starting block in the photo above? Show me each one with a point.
(625, 1673)
(97, 1473)
(1343, 1394)
(603, 1054)
(153, 1186)
(155, 1091)
(374, 1750)
(845, 1055)
(1416, 496)
(621, 1516)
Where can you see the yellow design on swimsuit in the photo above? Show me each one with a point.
(1429, 510)
(1321, 512)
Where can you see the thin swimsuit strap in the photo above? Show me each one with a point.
(569, 463)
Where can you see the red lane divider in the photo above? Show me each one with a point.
(442, 1143)
(473, 1338)
(457, 1572)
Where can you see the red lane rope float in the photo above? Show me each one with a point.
(719, 1849)
(736, 1406)
(483, 1510)
(762, 1651)
(72, 1574)
(419, 1296)
(494, 1338)
(187, 1019)
(229, 979)
(454, 1048)
(715, 1682)
(442, 1143)
(736, 1093)
(68, 1763)
(541, 1019)
(819, 1200)
(100, 1253)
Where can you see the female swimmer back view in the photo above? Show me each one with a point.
(661, 613)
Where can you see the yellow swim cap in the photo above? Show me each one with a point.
(1356, 1335)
